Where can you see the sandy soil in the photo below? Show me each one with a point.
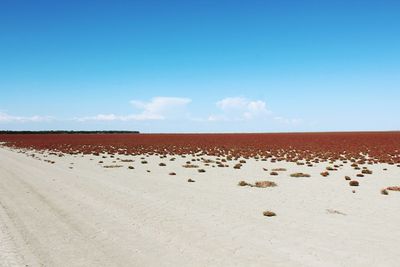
(75, 212)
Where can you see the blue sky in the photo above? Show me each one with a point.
(200, 66)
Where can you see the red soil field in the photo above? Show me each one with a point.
(354, 146)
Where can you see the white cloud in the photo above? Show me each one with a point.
(7, 118)
(158, 108)
(161, 107)
(239, 108)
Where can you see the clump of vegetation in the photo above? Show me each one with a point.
(366, 171)
(269, 213)
(162, 164)
(325, 174)
(264, 184)
(347, 178)
(144, 162)
(127, 160)
(393, 188)
(300, 174)
(360, 175)
(354, 183)
(112, 166)
(172, 173)
(190, 166)
(274, 173)
(201, 170)
(242, 161)
(384, 192)
(244, 183)
(237, 166)
(131, 167)
(279, 170)
(191, 180)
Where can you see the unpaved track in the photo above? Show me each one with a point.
(50, 216)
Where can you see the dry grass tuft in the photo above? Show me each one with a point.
(324, 174)
(127, 160)
(190, 166)
(162, 164)
(201, 170)
(393, 188)
(172, 173)
(264, 184)
(244, 183)
(384, 192)
(360, 175)
(131, 167)
(269, 213)
(347, 178)
(354, 183)
(112, 166)
(191, 181)
(273, 173)
(366, 171)
(279, 170)
(237, 166)
(300, 174)
(144, 162)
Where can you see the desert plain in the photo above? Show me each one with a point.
(310, 199)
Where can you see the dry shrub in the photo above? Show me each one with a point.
(237, 166)
(360, 175)
(244, 183)
(347, 178)
(191, 181)
(366, 171)
(273, 173)
(162, 164)
(112, 166)
(264, 184)
(172, 173)
(265, 169)
(269, 213)
(279, 170)
(130, 167)
(300, 174)
(144, 162)
(201, 170)
(242, 161)
(190, 166)
(393, 188)
(384, 192)
(127, 160)
(324, 174)
(354, 183)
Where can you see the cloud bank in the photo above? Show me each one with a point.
(7, 118)
(158, 108)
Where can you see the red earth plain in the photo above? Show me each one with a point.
(360, 147)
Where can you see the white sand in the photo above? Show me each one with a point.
(51, 215)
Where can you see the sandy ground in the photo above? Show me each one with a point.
(75, 212)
